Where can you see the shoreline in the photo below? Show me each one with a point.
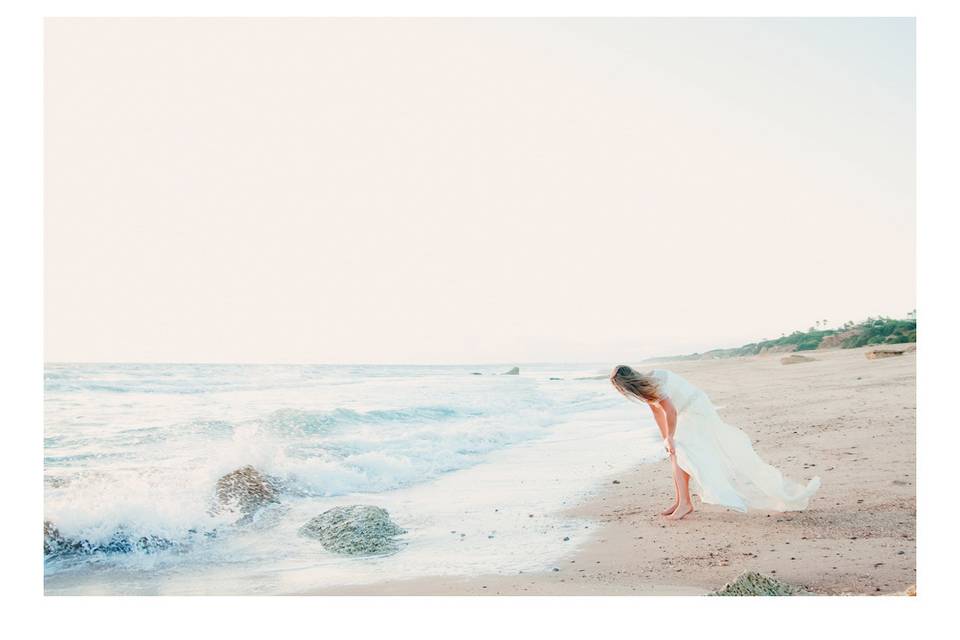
(841, 416)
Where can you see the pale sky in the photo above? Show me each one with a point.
(471, 190)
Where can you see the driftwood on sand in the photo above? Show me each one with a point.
(890, 351)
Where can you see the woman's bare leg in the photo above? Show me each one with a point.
(676, 488)
(685, 506)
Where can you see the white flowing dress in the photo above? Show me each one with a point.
(723, 467)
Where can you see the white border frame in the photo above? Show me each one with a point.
(21, 255)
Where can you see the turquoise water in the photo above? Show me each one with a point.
(138, 449)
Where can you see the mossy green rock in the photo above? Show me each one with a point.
(755, 584)
(356, 530)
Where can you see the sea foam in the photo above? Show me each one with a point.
(139, 448)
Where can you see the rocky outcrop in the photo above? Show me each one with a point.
(779, 348)
(836, 340)
(755, 584)
(796, 359)
(513, 372)
(55, 544)
(245, 491)
(890, 351)
(355, 530)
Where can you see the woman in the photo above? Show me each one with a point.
(717, 457)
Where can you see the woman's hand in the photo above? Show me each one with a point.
(668, 445)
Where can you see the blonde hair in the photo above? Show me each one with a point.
(635, 385)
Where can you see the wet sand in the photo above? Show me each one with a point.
(846, 418)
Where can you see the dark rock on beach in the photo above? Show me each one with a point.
(55, 544)
(245, 491)
(513, 372)
(355, 530)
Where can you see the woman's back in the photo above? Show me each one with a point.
(682, 393)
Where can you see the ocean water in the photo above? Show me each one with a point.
(477, 468)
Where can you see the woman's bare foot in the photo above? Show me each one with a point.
(670, 509)
(682, 511)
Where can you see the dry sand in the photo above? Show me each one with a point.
(850, 420)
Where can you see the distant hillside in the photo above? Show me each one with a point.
(849, 336)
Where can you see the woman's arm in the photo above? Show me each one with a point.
(666, 416)
(671, 414)
(660, 415)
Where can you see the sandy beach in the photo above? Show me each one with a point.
(846, 418)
